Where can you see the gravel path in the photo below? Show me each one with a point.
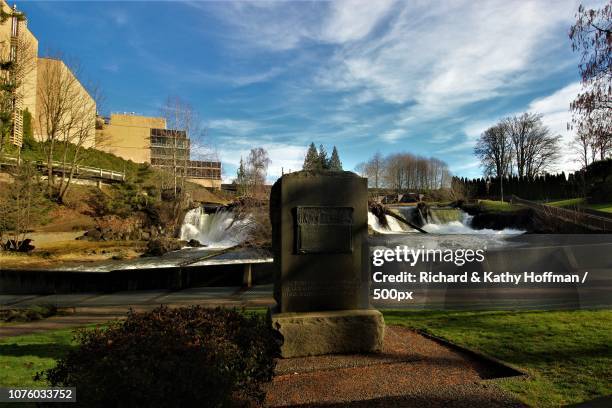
(411, 371)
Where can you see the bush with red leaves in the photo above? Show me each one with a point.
(171, 357)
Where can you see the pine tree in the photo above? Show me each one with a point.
(311, 161)
(334, 163)
(323, 163)
(241, 178)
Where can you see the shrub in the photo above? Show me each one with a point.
(171, 357)
(599, 181)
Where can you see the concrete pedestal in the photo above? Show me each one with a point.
(333, 332)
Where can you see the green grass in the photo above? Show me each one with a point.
(581, 202)
(606, 207)
(21, 357)
(572, 202)
(34, 151)
(498, 206)
(568, 353)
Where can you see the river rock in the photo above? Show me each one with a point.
(194, 243)
(93, 234)
(160, 246)
(18, 246)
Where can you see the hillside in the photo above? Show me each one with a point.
(84, 205)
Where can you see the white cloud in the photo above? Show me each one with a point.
(272, 25)
(442, 56)
(469, 164)
(428, 64)
(233, 126)
(555, 112)
(280, 26)
(352, 20)
(393, 135)
(556, 115)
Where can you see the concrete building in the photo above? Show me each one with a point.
(127, 135)
(132, 137)
(78, 107)
(34, 75)
(19, 46)
(145, 139)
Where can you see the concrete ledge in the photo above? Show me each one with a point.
(330, 332)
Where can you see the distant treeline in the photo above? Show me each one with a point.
(595, 182)
(405, 172)
(544, 187)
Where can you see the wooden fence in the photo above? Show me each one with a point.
(588, 219)
(81, 172)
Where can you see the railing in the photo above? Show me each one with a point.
(590, 220)
(79, 171)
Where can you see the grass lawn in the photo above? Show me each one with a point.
(580, 202)
(607, 207)
(500, 206)
(572, 202)
(66, 252)
(568, 353)
(21, 357)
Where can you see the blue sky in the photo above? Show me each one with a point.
(362, 75)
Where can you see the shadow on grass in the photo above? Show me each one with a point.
(529, 338)
(54, 351)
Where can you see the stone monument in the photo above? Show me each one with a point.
(321, 262)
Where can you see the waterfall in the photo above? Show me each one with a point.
(445, 215)
(464, 226)
(216, 230)
(394, 226)
(435, 221)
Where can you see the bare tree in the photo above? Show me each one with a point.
(184, 134)
(373, 170)
(395, 172)
(535, 149)
(21, 205)
(81, 135)
(582, 144)
(405, 171)
(591, 37)
(256, 171)
(494, 149)
(66, 120)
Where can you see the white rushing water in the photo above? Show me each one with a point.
(217, 230)
(394, 226)
(464, 227)
(452, 227)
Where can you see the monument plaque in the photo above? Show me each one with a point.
(319, 240)
(324, 230)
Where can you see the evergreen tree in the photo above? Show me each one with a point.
(311, 161)
(334, 162)
(241, 178)
(28, 134)
(323, 163)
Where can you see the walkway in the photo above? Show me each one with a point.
(85, 308)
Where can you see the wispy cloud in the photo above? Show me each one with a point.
(388, 75)
(556, 115)
(118, 16)
(443, 56)
(233, 126)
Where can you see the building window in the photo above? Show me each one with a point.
(15, 26)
